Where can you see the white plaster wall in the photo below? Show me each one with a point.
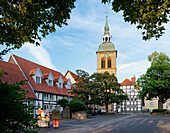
(69, 76)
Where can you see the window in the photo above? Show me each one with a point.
(106, 39)
(103, 63)
(50, 82)
(45, 96)
(109, 63)
(38, 79)
(51, 97)
(60, 85)
(109, 39)
(151, 104)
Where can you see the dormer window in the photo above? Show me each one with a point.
(38, 79)
(50, 82)
(60, 85)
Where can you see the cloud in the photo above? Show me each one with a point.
(136, 68)
(40, 54)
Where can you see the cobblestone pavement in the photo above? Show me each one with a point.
(122, 123)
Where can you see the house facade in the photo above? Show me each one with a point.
(153, 104)
(47, 85)
(134, 104)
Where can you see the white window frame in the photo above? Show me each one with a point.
(151, 104)
(38, 79)
(168, 103)
(51, 97)
(45, 96)
(50, 82)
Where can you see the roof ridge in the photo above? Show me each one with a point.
(37, 64)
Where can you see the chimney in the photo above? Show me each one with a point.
(133, 79)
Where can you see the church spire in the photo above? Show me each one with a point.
(106, 28)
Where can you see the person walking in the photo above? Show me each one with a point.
(56, 117)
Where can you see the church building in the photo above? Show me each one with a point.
(106, 54)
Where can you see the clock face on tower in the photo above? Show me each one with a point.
(106, 55)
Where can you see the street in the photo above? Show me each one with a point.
(122, 123)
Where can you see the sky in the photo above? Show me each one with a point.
(74, 46)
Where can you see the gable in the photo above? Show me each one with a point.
(60, 80)
(50, 76)
(70, 76)
(38, 73)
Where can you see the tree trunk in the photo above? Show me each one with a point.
(107, 108)
(160, 104)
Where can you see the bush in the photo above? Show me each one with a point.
(77, 105)
(159, 110)
(89, 109)
(63, 102)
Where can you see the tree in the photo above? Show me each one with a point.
(108, 89)
(149, 15)
(155, 83)
(27, 20)
(16, 111)
(63, 102)
(83, 87)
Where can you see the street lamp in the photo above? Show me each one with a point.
(68, 88)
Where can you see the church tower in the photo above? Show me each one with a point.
(106, 54)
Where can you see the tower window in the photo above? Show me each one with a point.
(109, 39)
(106, 39)
(103, 63)
(103, 39)
(109, 63)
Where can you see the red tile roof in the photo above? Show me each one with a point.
(127, 82)
(45, 75)
(32, 71)
(43, 87)
(65, 81)
(14, 74)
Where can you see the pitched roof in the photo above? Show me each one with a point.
(43, 87)
(45, 75)
(75, 76)
(127, 82)
(32, 71)
(14, 74)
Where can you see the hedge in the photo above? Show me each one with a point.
(159, 110)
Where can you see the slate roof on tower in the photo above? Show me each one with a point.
(29, 67)
(14, 74)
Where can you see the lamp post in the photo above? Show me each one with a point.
(68, 89)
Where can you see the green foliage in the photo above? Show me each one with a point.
(16, 111)
(156, 81)
(99, 89)
(27, 20)
(89, 109)
(149, 15)
(63, 102)
(77, 105)
(159, 110)
(108, 89)
(83, 87)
